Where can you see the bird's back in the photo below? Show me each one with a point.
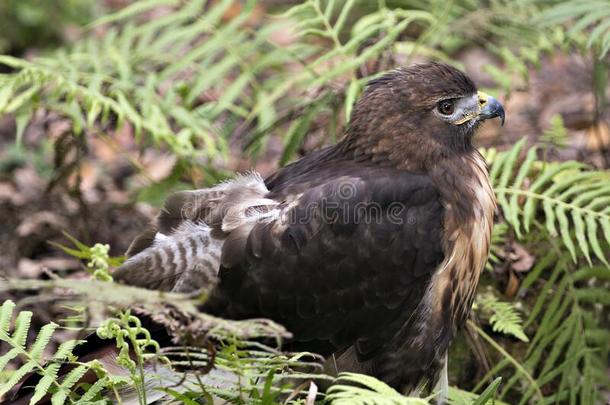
(349, 261)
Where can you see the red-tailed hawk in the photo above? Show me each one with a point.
(369, 250)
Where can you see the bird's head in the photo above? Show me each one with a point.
(421, 112)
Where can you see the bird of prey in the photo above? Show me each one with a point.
(369, 251)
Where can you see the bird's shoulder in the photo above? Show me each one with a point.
(323, 172)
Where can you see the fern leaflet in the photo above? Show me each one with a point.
(504, 317)
(33, 360)
(574, 200)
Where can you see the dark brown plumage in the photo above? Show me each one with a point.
(369, 251)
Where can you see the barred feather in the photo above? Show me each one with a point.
(183, 252)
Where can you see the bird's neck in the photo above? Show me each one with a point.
(462, 181)
(416, 154)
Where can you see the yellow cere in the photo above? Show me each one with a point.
(483, 97)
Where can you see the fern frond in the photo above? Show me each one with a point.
(32, 357)
(360, 389)
(353, 388)
(587, 16)
(43, 386)
(556, 134)
(124, 76)
(91, 392)
(503, 316)
(498, 240)
(69, 381)
(487, 397)
(569, 343)
(572, 196)
(42, 340)
(17, 376)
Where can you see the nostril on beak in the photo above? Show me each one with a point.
(491, 109)
(483, 98)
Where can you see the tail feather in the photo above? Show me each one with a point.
(183, 262)
(183, 253)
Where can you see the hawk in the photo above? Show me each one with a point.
(369, 251)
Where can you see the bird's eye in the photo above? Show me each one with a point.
(446, 107)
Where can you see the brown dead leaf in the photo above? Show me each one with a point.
(117, 197)
(475, 61)
(158, 166)
(235, 9)
(58, 128)
(34, 223)
(577, 111)
(512, 286)
(87, 175)
(104, 151)
(28, 183)
(598, 137)
(521, 260)
(124, 136)
(312, 393)
(9, 194)
(29, 268)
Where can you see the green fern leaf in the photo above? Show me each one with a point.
(17, 376)
(360, 389)
(487, 397)
(92, 392)
(570, 195)
(65, 349)
(73, 376)
(590, 16)
(33, 356)
(22, 325)
(42, 340)
(504, 317)
(6, 313)
(568, 337)
(8, 356)
(67, 383)
(48, 378)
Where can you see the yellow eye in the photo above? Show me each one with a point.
(446, 107)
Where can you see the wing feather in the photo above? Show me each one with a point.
(182, 252)
(342, 261)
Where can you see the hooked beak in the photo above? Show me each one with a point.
(490, 107)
